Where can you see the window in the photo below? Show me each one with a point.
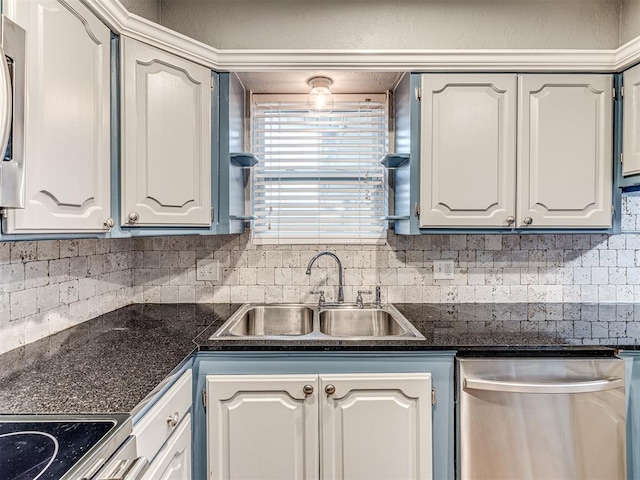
(319, 179)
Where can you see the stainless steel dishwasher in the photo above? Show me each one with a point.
(542, 418)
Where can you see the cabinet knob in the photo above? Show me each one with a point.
(109, 223)
(528, 220)
(307, 389)
(330, 389)
(511, 220)
(173, 420)
(133, 217)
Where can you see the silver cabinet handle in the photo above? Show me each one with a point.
(307, 389)
(109, 223)
(5, 103)
(133, 217)
(528, 220)
(173, 420)
(511, 220)
(589, 386)
(330, 389)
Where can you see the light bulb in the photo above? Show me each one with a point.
(320, 99)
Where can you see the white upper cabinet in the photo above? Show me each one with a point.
(468, 150)
(554, 171)
(67, 118)
(631, 122)
(166, 138)
(565, 151)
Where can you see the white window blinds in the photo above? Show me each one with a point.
(319, 179)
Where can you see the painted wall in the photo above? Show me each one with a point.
(629, 20)
(149, 9)
(408, 24)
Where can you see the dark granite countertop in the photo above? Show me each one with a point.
(106, 365)
(109, 364)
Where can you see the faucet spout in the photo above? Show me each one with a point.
(335, 257)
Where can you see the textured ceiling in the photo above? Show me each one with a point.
(296, 82)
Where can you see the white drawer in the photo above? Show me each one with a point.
(157, 425)
(173, 462)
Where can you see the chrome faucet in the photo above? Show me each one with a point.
(334, 256)
(378, 297)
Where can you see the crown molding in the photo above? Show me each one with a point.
(628, 55)
(116, 16)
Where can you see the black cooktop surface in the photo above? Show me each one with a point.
(46, 450)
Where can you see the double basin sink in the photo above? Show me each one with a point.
(317, 322)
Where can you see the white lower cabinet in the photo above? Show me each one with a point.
(173, 461)
(328, 426)
(376, 426)
(163, 434)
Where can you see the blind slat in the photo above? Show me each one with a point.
(319, 177)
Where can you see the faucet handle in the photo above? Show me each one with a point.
(321, 300)
(359, 300)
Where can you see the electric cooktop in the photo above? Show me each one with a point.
(48, 447)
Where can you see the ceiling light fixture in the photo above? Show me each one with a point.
(320, 99)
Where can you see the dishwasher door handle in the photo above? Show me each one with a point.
(589, 386)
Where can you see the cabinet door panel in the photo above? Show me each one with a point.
(173, 462)
(67, 117)
(467, 150)
(631, 122)
(262, 426)
(565, 150)
(376, 426)
(166, 138)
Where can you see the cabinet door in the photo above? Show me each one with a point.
(173, 462)
(166, 138)
(468, 150)
(262, 426)
(376, 426)
(67, 117)
(565, 151)
(631, 122)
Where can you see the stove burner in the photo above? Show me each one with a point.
(34, 451)
(46, 450)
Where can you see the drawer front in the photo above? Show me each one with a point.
(173, 462)
(153, 430)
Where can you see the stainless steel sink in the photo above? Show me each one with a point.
(271, 320)
(359, 323)
(310, 322)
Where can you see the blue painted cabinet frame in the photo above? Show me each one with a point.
(439, 364)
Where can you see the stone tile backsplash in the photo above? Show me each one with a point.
(488, 268)
(47, 286)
